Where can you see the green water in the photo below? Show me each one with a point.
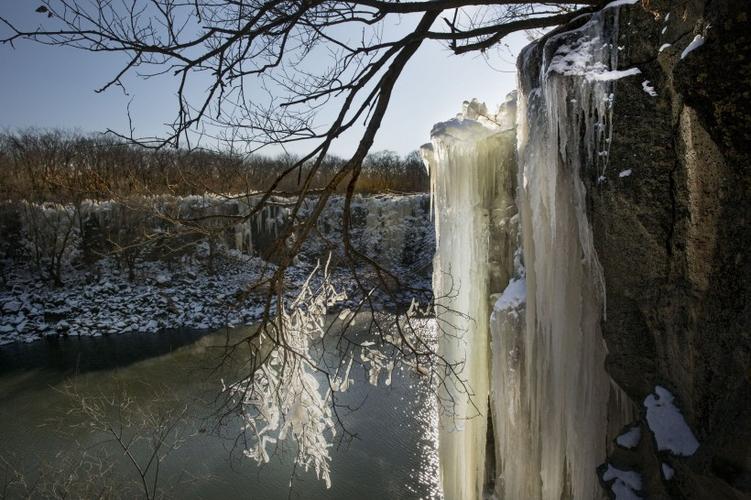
(48, 444)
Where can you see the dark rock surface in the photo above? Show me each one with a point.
(673, 237)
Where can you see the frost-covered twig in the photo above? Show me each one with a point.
(284, 397)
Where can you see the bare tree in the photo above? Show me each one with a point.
(251, 72)
(122, 454)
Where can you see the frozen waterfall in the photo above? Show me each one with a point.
(471, 162)
(530, 283)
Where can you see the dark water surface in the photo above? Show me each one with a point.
(40, 383)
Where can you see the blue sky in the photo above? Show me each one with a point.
(53, 87)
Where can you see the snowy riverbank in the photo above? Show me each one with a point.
(105, 302)
(103, 298)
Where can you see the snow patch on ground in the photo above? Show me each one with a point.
(625, 173)
(105, 302)
(666, 422)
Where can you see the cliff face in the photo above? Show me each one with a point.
(672, 230)
(633, 193)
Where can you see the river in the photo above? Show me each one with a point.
(48, 441)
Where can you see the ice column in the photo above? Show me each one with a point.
(550, 389)
(472, 181)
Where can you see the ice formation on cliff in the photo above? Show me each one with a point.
(546, 381)
(472, 189)
(551, 411)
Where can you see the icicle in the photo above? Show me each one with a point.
(549, 390)
(470, 188)
(550, 387)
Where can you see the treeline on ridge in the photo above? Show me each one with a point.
(63, 167)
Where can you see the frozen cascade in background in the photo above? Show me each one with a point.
(394, 228)
(471, 162)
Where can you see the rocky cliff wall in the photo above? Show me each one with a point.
(671, 228)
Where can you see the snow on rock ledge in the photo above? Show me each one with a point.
(630, 438)
(624, 484)
(666, 422)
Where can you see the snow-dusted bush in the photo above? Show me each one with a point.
(292, 393)
(51, 236)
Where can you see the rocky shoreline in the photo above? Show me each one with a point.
(201, 287)
(105, 302)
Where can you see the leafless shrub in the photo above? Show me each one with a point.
(132, 439)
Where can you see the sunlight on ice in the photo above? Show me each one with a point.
(546, 381)
(472, 193)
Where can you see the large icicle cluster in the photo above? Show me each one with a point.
(472, 195)
(551, 387)
(548, 388)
